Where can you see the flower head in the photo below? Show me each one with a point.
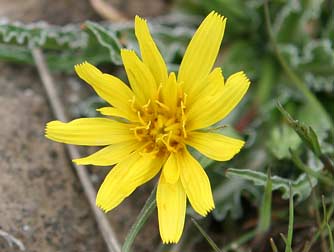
(150, 124)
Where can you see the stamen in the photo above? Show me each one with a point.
(162, 105)
(140, 118)
(184, 129)
(145, 153)
(160, 121)
(139, 138)
(169, 147)
(146, 106)
(159, 128)
(183, 116)
(133, 104)
(159, 90)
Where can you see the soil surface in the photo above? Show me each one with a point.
(42, 203)
(65, 11)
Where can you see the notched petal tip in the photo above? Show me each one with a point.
(52, 125)
(139, 20)
(217, 16)
(170, 241)
(99, 205)
(127, 53)
(209, 210)
(239, 77)
(205, 212)
(82, 64)
(172, 76)
(80, 161)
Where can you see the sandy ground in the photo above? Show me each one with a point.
(42, 204)
(41, 200)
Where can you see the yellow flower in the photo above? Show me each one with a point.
(150, 124)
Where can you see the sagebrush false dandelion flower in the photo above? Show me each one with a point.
(150, 124)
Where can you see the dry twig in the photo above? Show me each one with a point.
(58, 109)
(11, 240)
(107, 11)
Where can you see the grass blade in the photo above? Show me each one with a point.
(265, 210)
(273, 245)
(326, 220)
(206, 236)
(288, 247)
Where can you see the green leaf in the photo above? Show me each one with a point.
(241, 56)
(301, 187)
(287, 24)
(16, 54)
(281, 139)
(314, 60)
(106, 39)
(227, 195)
(40, 34)
(293, 17)
(306, 133)
(68, 45)
(316, 174)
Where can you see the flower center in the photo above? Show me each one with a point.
(160, 128)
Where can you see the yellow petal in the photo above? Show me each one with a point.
(109, 155)
(171, 170)
(208, 110)
(149, 51)
(208, 87)
(169, 92)
(112, 111)
(171, 204)
(124, 178)
(195, 182)
(108, 87)
(89, 131)
(140, 77)
(202, 52)
(214, 146)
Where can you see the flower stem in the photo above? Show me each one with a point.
(144, 214)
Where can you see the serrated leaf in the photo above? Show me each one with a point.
(96, 43)
(15, 54)
(106, 39)
(293, 18)
(301, 187)
(41, 34)
(227, 197)
(315, 62)
(288, 22)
